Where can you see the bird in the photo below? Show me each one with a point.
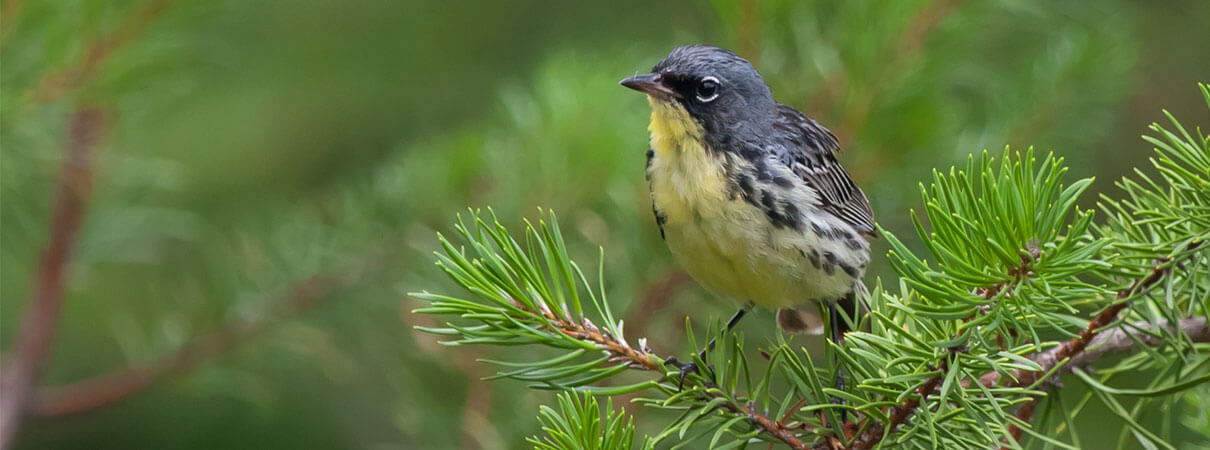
(748, 193)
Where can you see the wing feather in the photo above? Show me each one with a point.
(809, 150)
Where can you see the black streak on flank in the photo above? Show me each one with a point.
(814, 258)
(779, 220)
(830, 265)
(791, 214)
(766, 200)
(746, 189)
(850, 270)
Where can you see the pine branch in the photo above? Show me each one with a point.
(1074, 347)
(900, 414)
(106, 390)
(1115, 341)
(769, 426)
(40, 320)
(1120, 340)
(1073, 352)
(56, 84)
(874, 434)
(299, 298)
(620, 350)
(1102, 320)
(644, 359)
(531, 298)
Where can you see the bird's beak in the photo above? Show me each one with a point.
(649, 84)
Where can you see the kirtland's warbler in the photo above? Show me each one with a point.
(748, 194)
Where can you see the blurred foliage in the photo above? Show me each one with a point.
(251, 145)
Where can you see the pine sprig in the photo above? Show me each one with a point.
(579, 424)
(1006, 241)
(531, 295)
(524, 296)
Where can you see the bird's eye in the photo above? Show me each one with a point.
(707, 89)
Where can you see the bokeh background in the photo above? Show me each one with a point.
(271, 175)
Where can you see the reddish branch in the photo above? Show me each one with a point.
(106, 390)
(8, 10)
(643, 359)
(1073, 350)
(38, 324)
(55, 84)
(900, 414)
(770, 426)
(36, 335)
(620, 350)
(1120, 340)
(1074, 347)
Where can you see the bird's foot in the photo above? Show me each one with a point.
(686, 368)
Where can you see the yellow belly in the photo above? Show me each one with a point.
(725, 243)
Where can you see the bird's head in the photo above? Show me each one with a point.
(722, 92)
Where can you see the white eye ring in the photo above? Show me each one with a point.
(713, 94)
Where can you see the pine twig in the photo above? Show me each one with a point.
(640, 359)
(900, 414)
(55, 84)
(1119, 339)
(41, 317)
(770, 426)
(1074, 347)
(91, 394)
(85, 128)
(643, 359)
(875, 434)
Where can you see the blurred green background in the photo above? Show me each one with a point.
(251, 148)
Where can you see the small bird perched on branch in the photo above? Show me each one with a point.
(748, 193)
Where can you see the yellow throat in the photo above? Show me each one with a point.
(687, 180)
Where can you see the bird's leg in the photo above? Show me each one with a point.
(836, 335)
(691, 366)
(730, 324)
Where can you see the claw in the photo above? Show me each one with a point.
(685, 367)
